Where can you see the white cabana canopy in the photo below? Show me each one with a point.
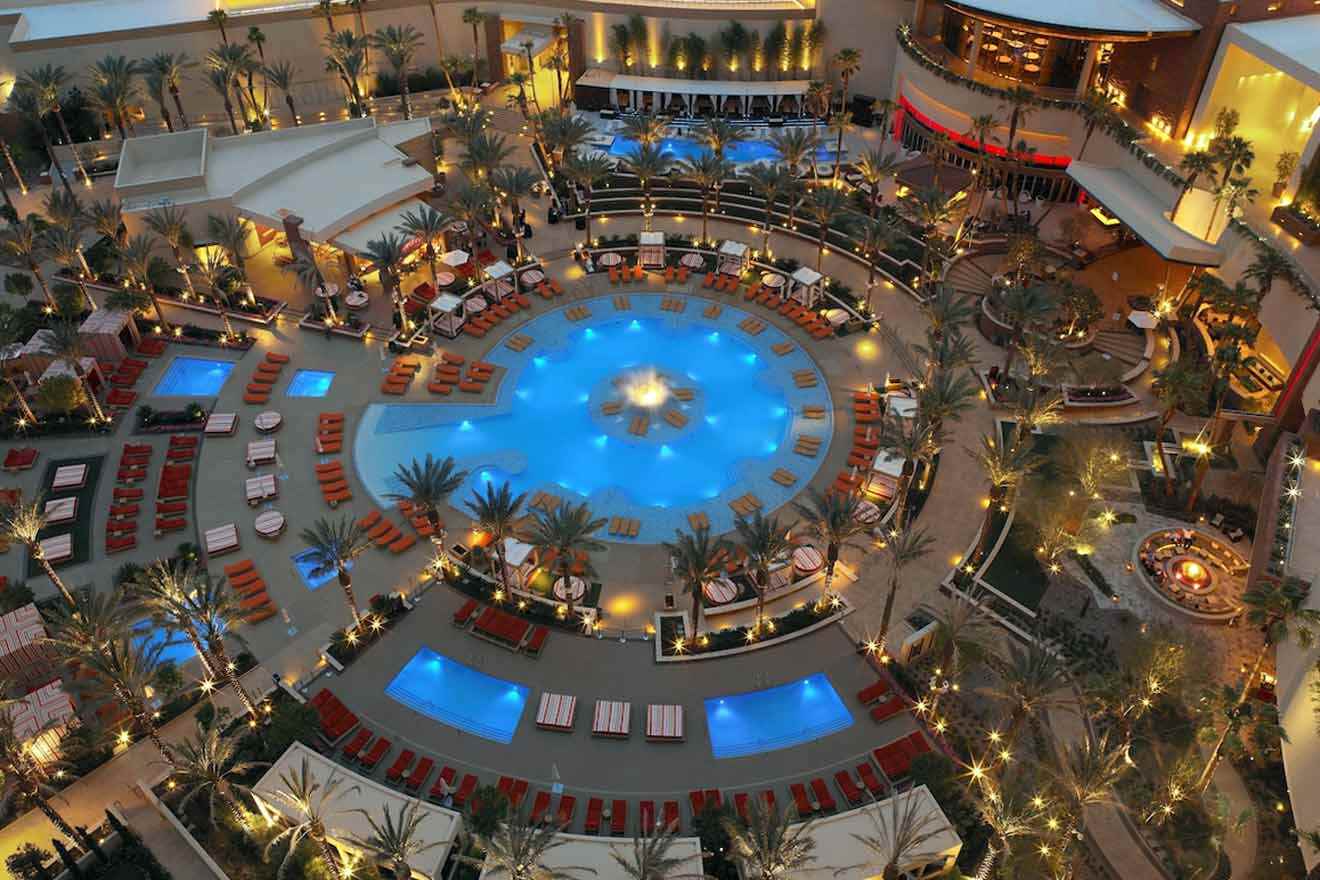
(1099, 16)
(499, 269)
(593, 856)
(731, 248)
(600, 78)
(1143, 320)
(438, 825)
(806, 286)
(840, 854)
(1130, 201)
(455, 258)
(447, 314)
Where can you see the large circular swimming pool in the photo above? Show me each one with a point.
(646, 412)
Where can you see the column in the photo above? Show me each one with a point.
(919, 18)
(976, 48)
(1088, 68)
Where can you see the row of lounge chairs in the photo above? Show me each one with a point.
(502, 628)
(494, 313)
(173, 488)
(385, 534)
(121, 522)
(330, 475)
(447, 373)
(264, 378)
(400, 375)
(247, 582)
(611, 718)
(329, 433)
(626, 274)
(122, 380)
(773, 298)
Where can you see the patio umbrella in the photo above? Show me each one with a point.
(455, 258)
(1143, 320)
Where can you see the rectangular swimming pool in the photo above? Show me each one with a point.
(459, 696)
(193, 377)
(310, 383)
(775, 718)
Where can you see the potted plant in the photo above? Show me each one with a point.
(1283, 171)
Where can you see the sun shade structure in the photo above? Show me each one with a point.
(1118, 17)
(580, 855)
(22, 641)
(1130, 201)
(839, 854)
(438, 825)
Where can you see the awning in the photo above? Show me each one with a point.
(1095, 16)
(1130, 201)
(600, 78)
(355, 237)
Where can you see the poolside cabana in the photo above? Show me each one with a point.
(598, 89)
(447, 315)
(109, 334)
(501, 281)
(344, 824)
(651, 250)
(806, 286)
(457, 260)
(735, 257)
(920, 173)
(22, 642)
(839, 853)
(42, 717)
(91, 373)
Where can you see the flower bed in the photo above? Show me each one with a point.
(346, 645)
(171, 421)
(673, 641)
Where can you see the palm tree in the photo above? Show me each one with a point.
(930, 207)
(1008, 813)
(1181, 384)
(839, 124)
(1006, 465)
(718, 135)
(903, 827)
(219, 613)
(915, 441)
(1085, 776)
(563, 135)
(697, 559)
(707, 171)
(219, 81)
(28, 104)
(588, 172)
(129, 669)
(769, 847)
(982, 129)
(156, 89)
(768, 182)
(645, 128)
(1033, 680)
(28, 778)
(357, 6)
(650, 859)
(25, 240)
(795, 146)
(208, 765)
(1193, 165)
(646, 163)
(875, 167)
(282, 75)
(114, 91)
(497, 513)
(1269, 266)
(517, 848)
(332, 545)
(231, 232)
(766, 542)
(831, 518)
(474, 17)
(257, 37)
(47, 83)
(426, 225)
(218, 17)
(67, 344)
(902, 548)
(387, 252)
(235, 62)
(395, 840)
(484, 153)
(472, 205)
(346, 58)
(513, 183)
(315, 805)
(171, 225)
(963, 635)
(65, 245)
(1233, 155)
(162, 589)
(1098, 108)
(427, 485)
(327, 8)
(847, 62)
(137, 256)
(1023, 308)
(877, 234)
(172, 69)
(828, 208)
(23, 522)
(563, 536)
(399, 45)
(304, 267)
(1020, 103)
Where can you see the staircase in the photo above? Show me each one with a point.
(1130, 348)
(967, 278)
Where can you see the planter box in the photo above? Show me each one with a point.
(1296, 225)
(315, 326)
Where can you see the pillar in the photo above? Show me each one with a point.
(1088, 68)
(293, 232)
(495, 70)
(976, 48)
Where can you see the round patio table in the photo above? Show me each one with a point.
(1031, 68)
(356, 299)
(720, 591)
(268, 421)
(692, 261)
(444, 279)
(807, 559)
(269, 524)
(772, 279)
(867, 513)
(577, 586)
(610, 259)
(328, 291)
(534, 276)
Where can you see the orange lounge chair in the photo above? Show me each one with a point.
(440, 387)
(390, 535)
(256, 399)
(402, 544)
(337, 498)
(275, 357)
(369, 521)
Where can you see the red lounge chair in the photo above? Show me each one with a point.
(128, 494)
(369, 521)
(378, 750)
(801, 802)
(619, 818)
(567, 806)
(399, 546)
(540, 806)
(118, 545)
(537, 641)
(888, 709)
(740, 804)
(118, 510)
(419, 774)
(671, 814)
(465, 790)
(595, 807)
(464, 615)
(400, 766)
(646, 817)
(122, 526)
(823, 796)
(446, 778)
(871, 781)
(120, 397)
(768, 798)
(170, 524)
(275, 357)
(873, 692)
(848, 788)
(697, 801)
(357, 743)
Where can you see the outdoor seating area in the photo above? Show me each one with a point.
(255, 602)
(264, 377)
(1194, 571)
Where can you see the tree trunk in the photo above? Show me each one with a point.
(77, 160)
(229, 111)
(54, 160)
(293, 111)
(346, 583)
(41, 282)
(888, 612)
(165, 115)
(202, 654)
(49, 812)
(54, 578)
(231, 678)
(983, 542)
(403, 94)
(160, 314)
(1159, 452)
(178, 106)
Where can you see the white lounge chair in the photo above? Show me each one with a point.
(221, 539)
(556, 712)
(664, 723)
(612, 718)
(221, 424)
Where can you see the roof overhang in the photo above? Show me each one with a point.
(1291, 45)
(1110, 19)
(1131, 202)
(597, 77)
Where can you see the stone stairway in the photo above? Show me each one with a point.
(1130, 348)
(968, 279)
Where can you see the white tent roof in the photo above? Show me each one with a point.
(1130, 201)
(651, 238)
(1101, 16)
(732, 248)
(839, 853)
(499, 269)
(806, 275)
(591, 856)
(600, 78)
(62, 368)
(446, 302)
(105, 322)
(355, 238)
(455, 258)
(438, 825)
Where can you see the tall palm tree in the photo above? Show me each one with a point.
(847, 62)
(170, 224)
(315, 805)
(718, 135)
(484, 153)
(25, 240)
(327, 8)
(766, 542)
(231, 232)
(172, 68)
(829, 210)
(563, 536)
(283, 76)
(768, 846)
(588, 172)
(915, 441)
(645, 128)
(982, 129)
(386, 252)
(1233, 155)
(769, 182)
(218, 611)
(903, 828)
(65, 245)
(218, 17)
(305, 268)
(512, 184)
(129, 670)
(1020, 103)
(137, 256)
(875, 167)
(1032, 681)
(426, 225)
(114, 89)
(155, 84)
(472, 205)
(1023, 308)
(840, 124)
(1006, 464)
(963, 634)
(497, 513)
(1098, 108)
(707, 171)
(208, 765)
(67, 344)
(28, 104)
(427, 485)
(239, 67)
(1181, 384)
(257, 37)
(650, 859)
(28, 779)
(902, 548)
(395, 840)
(1194, 164)
(931, 208)
(47, 84)
(474, 17)
(1085, 775)
(399, 45)
(1009, 813)
(516, 850)
(795, 146)
(332, 545)
(564, 135)
(162, 589)
(1269, 266)
(346, 58)
(876, 234)
(947, 310)
(697, 558)
(646, 163)
(831, 518)
(220, 82)
(947, 394)
(23, 522)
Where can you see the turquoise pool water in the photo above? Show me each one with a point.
(177, 649)
(310, 383)
(193, 377)
(547, 431)
(459, 696)
(775, 718)
(686, 148)
(306, 566)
